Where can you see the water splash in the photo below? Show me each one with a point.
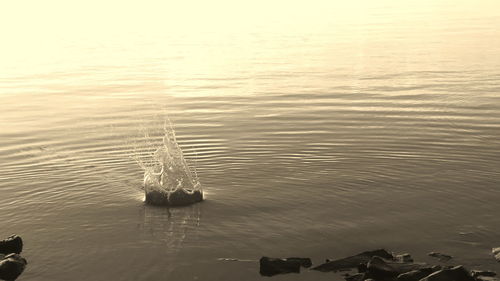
(166, 171)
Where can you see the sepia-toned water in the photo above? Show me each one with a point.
(364, 127)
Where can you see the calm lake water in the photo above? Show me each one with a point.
(364, 127)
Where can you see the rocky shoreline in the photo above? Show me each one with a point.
(381, 265)
(11, 262)
(375, 265)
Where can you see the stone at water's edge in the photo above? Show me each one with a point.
(457, 273)
(353, 261)
(496, 253)
(13, 244)
(11, 266)
(273, 266)
(179, 197)
(378, 268)
(403, 258)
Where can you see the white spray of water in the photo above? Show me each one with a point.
(166, 170)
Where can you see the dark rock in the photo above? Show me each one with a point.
(416, 275)
(11, 266)
(13, 244)
(496, 253)
(362, 267)
(476, 273)
(180, 197)
(353, 261)
(440, 256)
(457, 273)
(378, 268)
(273, 266)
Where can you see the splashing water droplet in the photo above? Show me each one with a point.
(168, 179)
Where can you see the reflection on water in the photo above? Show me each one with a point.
(170, 226)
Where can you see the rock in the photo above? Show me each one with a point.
(273, 266)
(12, 266)
(457, 273)
(496, 253)
(476, 273)
(180, 197)
(378, 268)
(13, 244)
(416, 275)
(440, 256)
(362, 267)
(353, 261)
(404, 258)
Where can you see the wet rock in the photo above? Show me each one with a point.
(404, 258)
(180, 197)
(13, 244)
(416, 275)
(457, 273)
(378, 268)
(11, 266)
(274, 266)
(353, 261)
(476, 273)
(496, 253)
(440, 256)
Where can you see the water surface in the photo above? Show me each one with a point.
(364, 127)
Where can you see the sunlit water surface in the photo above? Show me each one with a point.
(374, 130)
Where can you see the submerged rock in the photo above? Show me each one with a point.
(440, 256)
(353, 261)
(11, 266)
(274, 266)
(180, 197)
(457, 273)
(13, 244)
